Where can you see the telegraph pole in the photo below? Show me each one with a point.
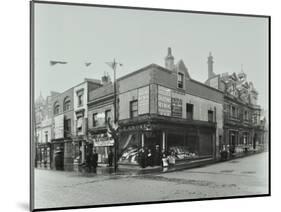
(115, 117)
(113, 65)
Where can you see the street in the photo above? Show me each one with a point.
(242, 176)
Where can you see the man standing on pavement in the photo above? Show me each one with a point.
(110, 158)
(94, 160)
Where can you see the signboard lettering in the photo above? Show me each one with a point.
(143, 100)
(164, 101)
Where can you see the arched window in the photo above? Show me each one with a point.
(56, 108)
(66, 104)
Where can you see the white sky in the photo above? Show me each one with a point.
(137, 38)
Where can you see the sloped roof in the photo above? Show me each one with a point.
(101, 92)
(181, 66)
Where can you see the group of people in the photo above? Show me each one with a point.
(92, 161)
(156, 157)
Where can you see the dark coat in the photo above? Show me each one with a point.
(94, 160)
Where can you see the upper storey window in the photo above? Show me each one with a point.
(66, 104)
(56, 108)
(180, 80)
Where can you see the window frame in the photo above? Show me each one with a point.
(180, 80)
(192, 111)
(66, 103)
(131, 108)
(210, 111)
(56, 108)
(106, 116)
(94, 120)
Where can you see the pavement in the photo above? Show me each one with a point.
(242, 176)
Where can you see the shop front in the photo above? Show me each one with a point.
(43, 155)
(57, 154)
(187, 140)
(103, 144)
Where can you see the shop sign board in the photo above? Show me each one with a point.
(105, 141)
(177, 102)
(177, 107)
(58, 126)
(164, 101)
(143, 100)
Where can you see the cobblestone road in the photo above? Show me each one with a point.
(244, 176)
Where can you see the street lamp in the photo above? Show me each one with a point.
(114, 65)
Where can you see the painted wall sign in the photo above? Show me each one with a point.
(177, 104)
(164, 101)
(58, 126)
(143, 100)
(177, 107)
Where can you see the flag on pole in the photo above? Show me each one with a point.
(87, 64)
(53, 62)
(113, 64)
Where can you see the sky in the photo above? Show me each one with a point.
(137, 38)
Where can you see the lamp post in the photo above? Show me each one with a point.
(113, 65)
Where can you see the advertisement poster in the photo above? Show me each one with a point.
(177, 104)
(164, 101)
(143, 100)
(58, 128)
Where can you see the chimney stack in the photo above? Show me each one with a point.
(105, 79)
(169, 60)
(210, 66)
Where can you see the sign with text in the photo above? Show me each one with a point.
(177, 107)
(103, 141)
(177, 102)
(58, 126)
(164, 101)
(143, 100)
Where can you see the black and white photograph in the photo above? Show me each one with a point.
(139, 105)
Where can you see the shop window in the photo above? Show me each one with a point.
(210, 116)
(189, 111)
(133, 108)
(95, 116)
(107, 115)
(180, 80)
